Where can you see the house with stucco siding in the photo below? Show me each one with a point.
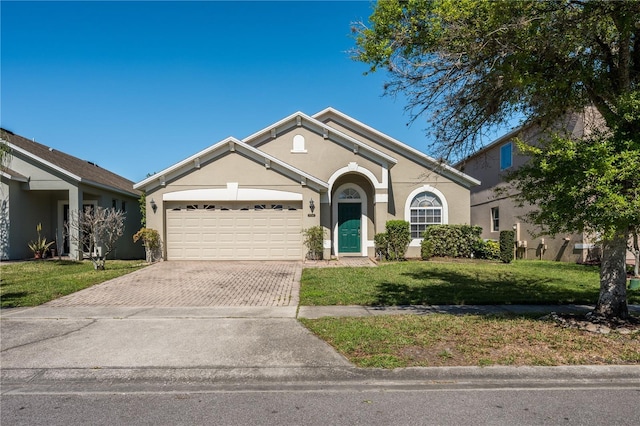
(42, 185)
(494, 209)
(251, 198)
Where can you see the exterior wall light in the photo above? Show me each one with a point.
(154, 206)
(312, 205)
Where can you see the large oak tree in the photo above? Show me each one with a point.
(472, 65)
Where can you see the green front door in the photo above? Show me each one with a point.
(349, 216)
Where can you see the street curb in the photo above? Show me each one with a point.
(57, 380)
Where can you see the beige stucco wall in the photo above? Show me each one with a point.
(561, 247)
(232, 167)
(409, 174)
(322, 157)
(485, 166)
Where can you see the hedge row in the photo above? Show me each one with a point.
(438, 241)
(457, 241)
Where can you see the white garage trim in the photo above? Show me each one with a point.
(231, 193)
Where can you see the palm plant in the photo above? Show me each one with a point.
(40, 246)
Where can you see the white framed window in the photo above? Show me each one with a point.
(495, 219)
(426, 209)
(506, 156)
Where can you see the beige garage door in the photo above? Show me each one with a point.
(235, 231)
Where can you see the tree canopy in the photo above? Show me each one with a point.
(472, 65)
(469, 65)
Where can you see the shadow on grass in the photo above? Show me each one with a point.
(448, 287)
(65, 262)
(12, 300)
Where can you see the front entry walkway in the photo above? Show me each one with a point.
(196, 284)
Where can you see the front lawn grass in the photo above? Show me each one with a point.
(33, 283)
(453, 282)
(396, 341)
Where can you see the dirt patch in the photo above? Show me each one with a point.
(594, 323)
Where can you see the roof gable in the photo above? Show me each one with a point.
(68, 165)
(300, 119)
(249, 146)
(230, 144)
(396, 146)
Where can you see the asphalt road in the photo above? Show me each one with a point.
(577, 403)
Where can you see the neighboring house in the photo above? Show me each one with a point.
(495, 212)
(252, 198)
(42, 185)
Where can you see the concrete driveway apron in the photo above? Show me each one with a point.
(206, 316)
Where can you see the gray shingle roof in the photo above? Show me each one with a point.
(88, 173)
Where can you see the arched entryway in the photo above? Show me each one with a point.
(350, 220)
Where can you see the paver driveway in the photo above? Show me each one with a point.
(196, 283)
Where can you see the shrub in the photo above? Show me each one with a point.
(152, 243)
(426, 249)
(453, 240)
(488, 249)
(314, 240)
(393, 244)
(382, 245)
(398, 237)
(507, 239)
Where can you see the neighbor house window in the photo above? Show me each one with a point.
(426, 209)
(123, 207)
(495, 219)
(506, 156)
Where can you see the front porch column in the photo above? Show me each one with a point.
(325, 222)
(381, 211)
(75, 206)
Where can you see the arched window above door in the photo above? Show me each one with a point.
(349, 194)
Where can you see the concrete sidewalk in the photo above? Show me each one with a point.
(129, 349)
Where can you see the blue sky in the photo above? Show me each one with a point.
(138, 86)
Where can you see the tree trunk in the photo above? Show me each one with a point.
(612, 302)
(636, 252)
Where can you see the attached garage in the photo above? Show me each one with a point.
(238, 230)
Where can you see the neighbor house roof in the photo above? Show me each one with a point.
(79, 170)
(573, 124)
